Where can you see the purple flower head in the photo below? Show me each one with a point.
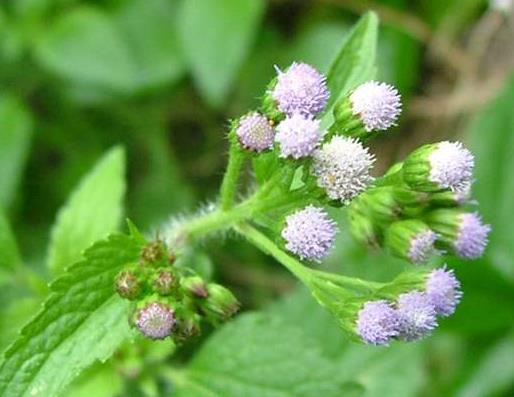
(377, 322)
(298, 136)
(255, 132)
(342, 168)
(471, 236)
(417, 315)
(309, 233)
(422, 247)
(443, 290)
(377, 104)
(451, 166)
(155, 320)
(300, 89)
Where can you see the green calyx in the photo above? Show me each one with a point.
(416, 170)
(445, 222)
(399, 236)
(219, 305)
(269, 106)
(346, 123)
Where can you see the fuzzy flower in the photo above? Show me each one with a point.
(443, 290)
(342, 168)
(417, 315)
(255, 132)
(155, 320)
(471, 236)
(451, 165)
(377, 104)
(309, 233)
(377, 322)
(300, 89)
(298, 136)
(422, 247)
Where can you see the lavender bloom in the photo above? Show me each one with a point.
(377, 104)
(417, 315)
(443, 290)
(255, 132)
(300, 89)
(377, 322)
(309, 233)
(422, 247)
(298, 136)
(342, 168)
(451, 166)
(471, 236)
(155, 320)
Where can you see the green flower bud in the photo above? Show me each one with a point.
(153, 253)
(439, 166)
(269, 105)
(194, 286)
(381, 205)
(362, 229)
(220, 304)
(128, 285)
(345, 123)
(188, 326)
(411, 239)
(410, 198)
(164, 282)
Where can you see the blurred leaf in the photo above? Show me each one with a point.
(150, 30)
(15, 133)
(84, 46)
(101, 380)
(491, 138)
(82, 321)
(9, 254)
(494, 373)
(355, 62)
(93, 211)
(216, 36)
(257, 355)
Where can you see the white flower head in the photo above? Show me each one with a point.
(451, 166)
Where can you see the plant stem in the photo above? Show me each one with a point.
(350, 282)
(229, 184)
(269, 247)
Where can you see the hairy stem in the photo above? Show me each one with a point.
(229, 184)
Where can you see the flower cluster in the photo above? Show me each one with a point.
(168, 301)
(413, 315)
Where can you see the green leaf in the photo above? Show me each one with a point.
(98, 381)
(258, 355)
(494, 373)
(355, 62)
(15, 133)
(149, 28)
(216, 36)
(85, 46)
(491, 140)
(10, 256)
(92, 212)
(82, 321)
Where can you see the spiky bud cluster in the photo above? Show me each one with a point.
(413, 315)
(309, 233)
(169, 301)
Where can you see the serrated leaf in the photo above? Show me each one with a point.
(215, 36)
(491, 140)
(93, 211)
(258, 355)
(82, 321)
(15, 133)
(355, 62)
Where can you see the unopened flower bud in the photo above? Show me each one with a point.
(362, 228)
(187, 327)
(155, 320)
(450, 198)
(164, 282)
(443, 290)
(298, 136)
(194, 286)
(463, 232)
(377, 322)
(309, 233)
(153, 253)
(220, 303)
(372, 106)
(417, 315)
(411, 239)
(300, 89)
(381, 204)
(439, 166)
(255, 133)
(342, 168)
(128, 285)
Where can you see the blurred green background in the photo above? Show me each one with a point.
(162, 77)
